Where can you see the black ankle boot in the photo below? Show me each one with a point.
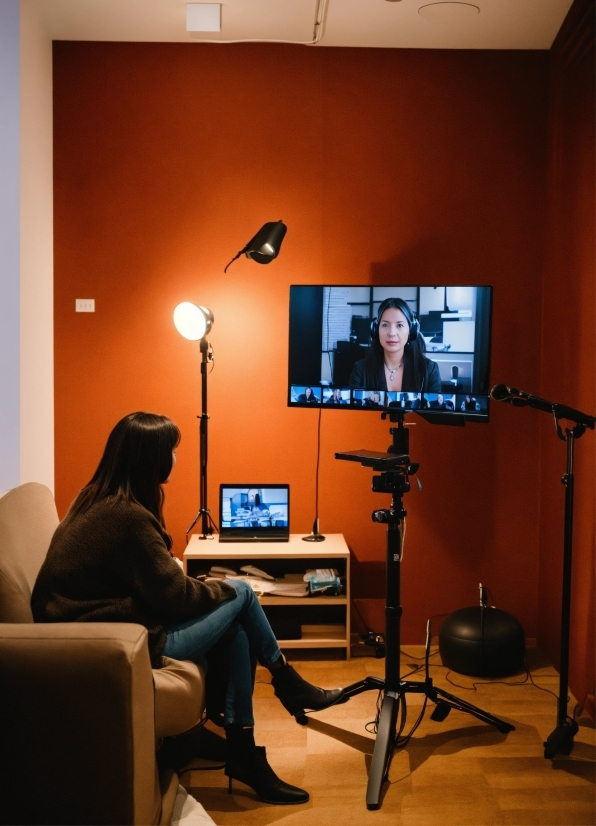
(298, 696)
(176, 752)
(250, 766)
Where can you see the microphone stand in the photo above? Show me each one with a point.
(204, 514)
(560, 740)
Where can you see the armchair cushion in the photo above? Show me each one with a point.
(28, 519)
(179, 696)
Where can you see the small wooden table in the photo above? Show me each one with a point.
(324, 620)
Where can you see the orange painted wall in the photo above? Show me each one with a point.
(388, 167)
(568, 362)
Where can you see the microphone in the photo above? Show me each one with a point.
(511, 395)
(502, 393)
(519, 398)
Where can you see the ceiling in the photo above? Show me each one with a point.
(404, 24)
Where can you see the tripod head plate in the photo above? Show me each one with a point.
(375, 459)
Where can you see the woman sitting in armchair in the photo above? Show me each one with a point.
(110, 560)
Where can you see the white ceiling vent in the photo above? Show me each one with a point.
(203, 17)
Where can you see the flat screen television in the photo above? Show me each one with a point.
(418, 348)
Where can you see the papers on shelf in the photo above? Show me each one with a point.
(289, 588)
(220, 572)
(251, 570)
(217, 572)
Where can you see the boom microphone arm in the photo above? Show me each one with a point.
(518, 398)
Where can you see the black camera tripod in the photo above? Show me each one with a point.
(395, 468)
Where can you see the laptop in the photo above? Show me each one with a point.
(254, 513)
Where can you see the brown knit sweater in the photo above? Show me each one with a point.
(111, 564)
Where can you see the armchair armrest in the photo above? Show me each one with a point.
(77, 723)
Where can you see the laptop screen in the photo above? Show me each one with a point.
(254, 512)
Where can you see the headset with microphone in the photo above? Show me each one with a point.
(413, 323)
(399, 304)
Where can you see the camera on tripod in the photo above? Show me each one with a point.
(395, 480)
(395, 467)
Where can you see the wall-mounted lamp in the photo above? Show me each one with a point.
(194, 322)
(265, 245)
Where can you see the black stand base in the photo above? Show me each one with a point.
(207, 524)
(315, 536)
(387, 725)
(560, 741)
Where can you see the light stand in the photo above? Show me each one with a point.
(194, 323)
(560, 740)
(395, 466)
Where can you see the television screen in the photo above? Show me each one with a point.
(425, 349)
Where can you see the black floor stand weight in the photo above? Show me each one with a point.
(395, 468)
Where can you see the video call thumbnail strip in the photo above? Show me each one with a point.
(318, 396)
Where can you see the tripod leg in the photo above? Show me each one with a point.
(383, 750)
(367, 684)
(437, 695)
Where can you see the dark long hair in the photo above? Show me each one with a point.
(414, 358)
(136, 461)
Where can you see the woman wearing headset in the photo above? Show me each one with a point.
(395, 359)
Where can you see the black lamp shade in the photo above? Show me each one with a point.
(265, 245)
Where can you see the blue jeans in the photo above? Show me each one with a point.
(240, 625)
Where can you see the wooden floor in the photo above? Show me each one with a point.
(456, 772)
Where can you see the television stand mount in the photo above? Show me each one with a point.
(395, 468)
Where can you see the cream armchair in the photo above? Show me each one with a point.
(81, 710)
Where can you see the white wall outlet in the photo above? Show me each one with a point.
(85, 305)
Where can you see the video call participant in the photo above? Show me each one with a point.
(308, 396)
(396, 399)
(373, 399)
(441, 404)
(110, 560)
(335, 397)
(256, 509)
(469, 403)
(414, 404)
(395, 359)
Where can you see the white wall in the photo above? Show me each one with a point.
(9, 244)
(36, 276)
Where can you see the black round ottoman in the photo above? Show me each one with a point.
(482, 642)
